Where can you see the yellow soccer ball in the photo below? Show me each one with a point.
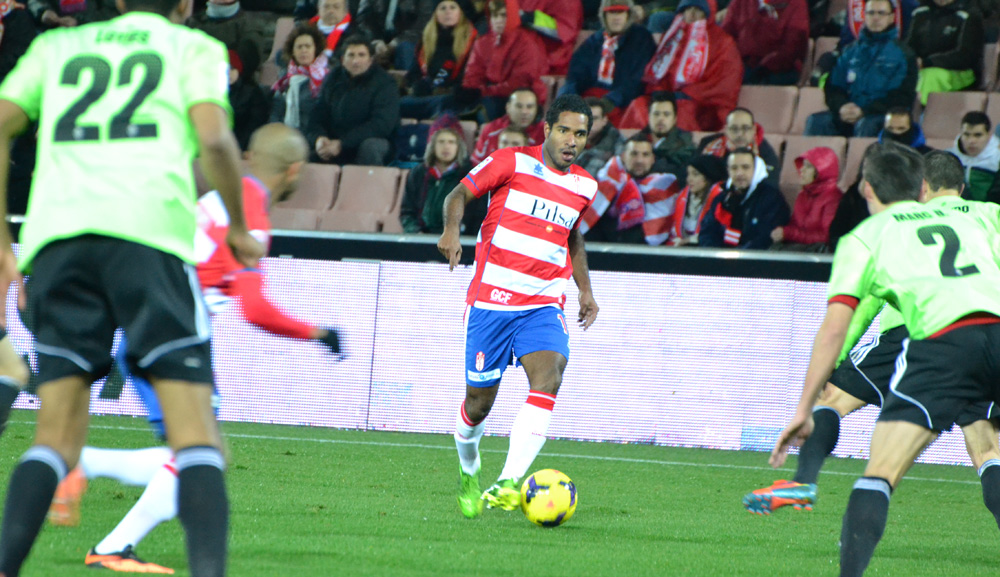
(548, 498)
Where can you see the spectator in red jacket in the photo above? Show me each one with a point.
(772, 37)
(698, 61)
(506, 58)
(815, 206)
(522, 113)
(559, 23)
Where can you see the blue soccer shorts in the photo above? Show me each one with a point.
(496, 339)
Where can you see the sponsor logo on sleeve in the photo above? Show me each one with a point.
(481, 165)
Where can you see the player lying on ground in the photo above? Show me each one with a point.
(938, 266)
(863, 376)
(277, 154)
(528, 247)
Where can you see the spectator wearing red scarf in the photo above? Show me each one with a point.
(699, 62)
(746, 209)
(334, 21)
(295, 93)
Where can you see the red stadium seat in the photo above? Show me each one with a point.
(855, 153)
(317, 188)
(772, 106)
(807, 63)
(391, 222)
(366, 196)
(282, 28)
(795, 146)
(811, 100)
(944, 111)
(294, 218)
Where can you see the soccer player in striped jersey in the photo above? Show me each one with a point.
(863, 375)
(528, 247)
(939, 267)
(123, 108)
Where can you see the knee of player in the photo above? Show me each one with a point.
(838, 400)
(17, 371)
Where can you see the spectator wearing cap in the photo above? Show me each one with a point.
(772, 37)
(746, 209)
(357, 112)
(295, 93)
(603, 137)
(704, 172)
(446, 162)
(557, 23)
(872, 75)
(249, 103)
(445, 46)
(808, 229)
(698, 61)
(947, 37)
(610, 62)
(508, 57)
(522, 114)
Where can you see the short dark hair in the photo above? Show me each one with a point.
(943, 171)
(663, 96)
(603, 103)
(304, 30)
(975, 118)
(895, 172)
(161, 7)
(741, 109)
(568, 103)
(900, 111)
(640, 137)
(741, 150)
(354, 40)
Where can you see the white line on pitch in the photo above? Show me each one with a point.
(561, 455)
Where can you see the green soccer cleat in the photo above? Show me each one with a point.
(504, 494)
(469, 500)
(782, 493)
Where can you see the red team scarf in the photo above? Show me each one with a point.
(680, 210)
(682, 53)
(856, 16)
(720, 146)
(315, 71)
(649, 201)
(71, 6)
(334, 37)
(606, 68)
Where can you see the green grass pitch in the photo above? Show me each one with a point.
(321, 502)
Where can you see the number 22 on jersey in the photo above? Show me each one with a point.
(68, 127)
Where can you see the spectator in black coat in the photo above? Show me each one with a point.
(357, 113)
(250, 104)
(17, 33)
(748, 208)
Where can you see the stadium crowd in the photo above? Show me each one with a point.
(432, 87)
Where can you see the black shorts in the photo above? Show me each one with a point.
(866, 372)
(946, 380)
(82, 288)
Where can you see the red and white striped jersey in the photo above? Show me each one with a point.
(522, 254)
(215, 259)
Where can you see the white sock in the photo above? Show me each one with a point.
(527, 435)
(129, 466)
(157, 504)
(467, 436)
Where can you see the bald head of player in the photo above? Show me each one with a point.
(567, 125)
(276, 156)
(176, 10)
(944, 175)
(891, 173)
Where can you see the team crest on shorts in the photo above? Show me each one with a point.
(480, 361)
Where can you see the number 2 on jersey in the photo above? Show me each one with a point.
(120, 126)
(926, 234)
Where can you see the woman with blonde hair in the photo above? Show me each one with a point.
(444, 49)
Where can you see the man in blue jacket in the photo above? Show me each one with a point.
(872, 75)
(610, 62)
(746, 209)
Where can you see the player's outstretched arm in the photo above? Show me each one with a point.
(581, 275)
(13, 121)
(220, 161)
(826, 347)
(454, 209)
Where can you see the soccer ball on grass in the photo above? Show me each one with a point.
(548, 498)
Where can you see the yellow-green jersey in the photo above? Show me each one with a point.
(935, 262)
(115, 142)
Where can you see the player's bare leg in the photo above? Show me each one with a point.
(894, 446)
(833, 405)
(202, 506)
(468, 432)
(13, 378)
(527, 434)
(984, 450)
(60, 434)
